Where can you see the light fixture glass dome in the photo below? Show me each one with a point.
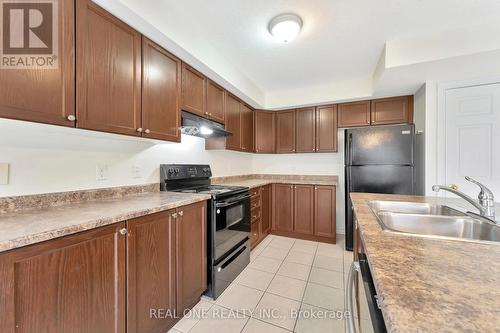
(285, 27)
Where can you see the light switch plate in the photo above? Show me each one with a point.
(101, 172)
(4, 173)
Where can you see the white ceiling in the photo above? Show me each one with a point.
(335, 57)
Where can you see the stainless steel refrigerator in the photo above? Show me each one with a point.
(379, 159)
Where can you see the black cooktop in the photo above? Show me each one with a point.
(211, 189)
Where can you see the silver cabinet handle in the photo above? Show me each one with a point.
(71, 117)
(181, 213)
(123, 231)
(351, 324)
(147, 131)
(174, 215)
(139, 130)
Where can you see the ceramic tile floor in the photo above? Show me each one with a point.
(286, 276)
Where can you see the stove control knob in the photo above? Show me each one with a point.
(176, 171)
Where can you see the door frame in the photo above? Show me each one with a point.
(441, 121)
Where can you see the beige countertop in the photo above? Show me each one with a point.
(256, 182)
(430, 285)
(40, 224)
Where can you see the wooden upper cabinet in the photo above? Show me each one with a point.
(191, 256)
(354, 114)
(246, 128)
(71, 284)
(233, 122)
(265, 131)
(285, 131)
(193, 91)
(161, 90)
(215, 102)
(150, 272)
(394, 110)
(108, 72)
(325, 211)
(305, 130)
(44, 95)
(326, 128)
(283, 207)
(303, 212)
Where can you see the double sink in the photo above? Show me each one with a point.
(435, 221)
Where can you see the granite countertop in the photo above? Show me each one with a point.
(31, 226)
(252, 182)
(430, 285)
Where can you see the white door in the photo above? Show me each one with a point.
(472, 135)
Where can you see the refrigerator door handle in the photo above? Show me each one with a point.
(350, 149)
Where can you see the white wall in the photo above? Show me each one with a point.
(49, 158)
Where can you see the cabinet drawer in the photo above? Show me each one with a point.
(255, 191)
(255, 232)
(255, 202)
(255, 214)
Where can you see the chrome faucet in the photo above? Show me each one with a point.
(486, 205)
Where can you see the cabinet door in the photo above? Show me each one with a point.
(266, 209)
(215, 102)
(108, 72)
(394, 110)
(193, 91)
(191, 256)
(161, 88)
(285, 133)
(71, 284)
(326, 128)
(246, 128)
(44, 95)
(303, 212)
(354, 114)
(305, 132)
(283, 207)
(255, 233)
(150, 272)
(265, 132)
(233, 123)
(324, 211)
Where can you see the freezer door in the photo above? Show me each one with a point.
(380, 145)
(391, 179)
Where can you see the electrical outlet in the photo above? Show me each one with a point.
(4, 173)
(101, 172)
(136, 171)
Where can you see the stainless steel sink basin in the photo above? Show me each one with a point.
(465, 228)
(434, 221)
(413, 208)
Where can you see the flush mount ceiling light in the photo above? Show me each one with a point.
(285, 27)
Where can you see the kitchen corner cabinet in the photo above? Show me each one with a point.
(305, 130)
(395, 110)
(108, 72)
(261, 213)
(304, 211)
(265, 132)
(215, 102)
(285, 131)
(161, 90)
(246, 128)
(193, 91)
(71, 284)
(107, 279)
(44, 95)
(326, 128)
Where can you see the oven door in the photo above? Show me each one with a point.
(232, 224)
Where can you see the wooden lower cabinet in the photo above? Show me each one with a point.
(71, 284)
(151, 272)
(304, 211)
(191, 255)
(266, 209)
(283, 207)
(125, 277)
(261, 213)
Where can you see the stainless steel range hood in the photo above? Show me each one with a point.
(201, 127)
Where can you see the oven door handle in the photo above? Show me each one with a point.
(232, 202)
(351, 324)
